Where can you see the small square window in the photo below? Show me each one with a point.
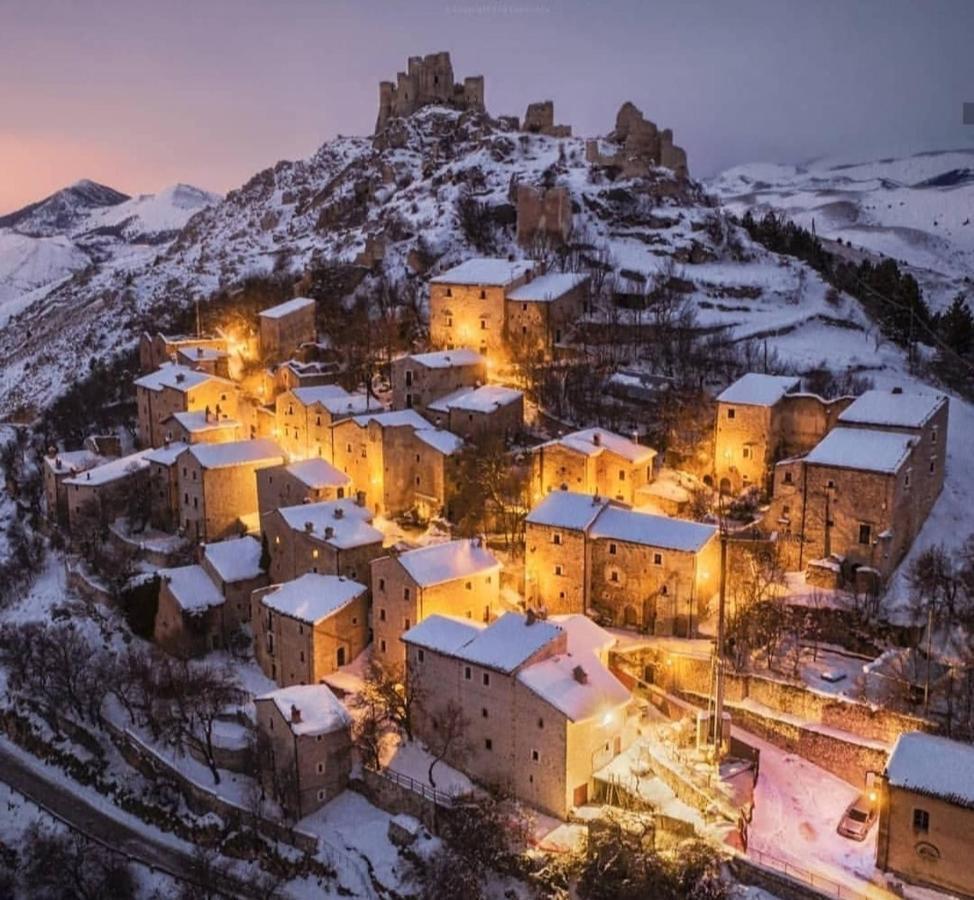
(382, 584)
(614, 576)
(488, 744)
(421, 656)
(657, 559)
(788, 478)
(486, 679)
(921, 820)
(556, 539)
(731, 413)
(321, 768)
(865, 534)
(469, 585)
(612, 549)
(467, 673)
(535, 756)
(559, 570)
(483, 712)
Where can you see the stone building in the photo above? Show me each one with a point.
(638, 570)
(214, 360)
(637, 145)
(189, 618)
(164, 485)
(861, 494)
(458, 578)
(305, 481)
(479, 413)
(201, 426)
(58, 467)
(307, 628)
(303, 417)
(543, 711)
(926, 813)
(539, 118)
(592, 461)
(397, 461)
(173, 389)
(285, 327)
(543, 215)
(427, 81)
(304, 747)
(542, 312)
(467, 304)
(234, 566)
(421, 378)
(218, 486)
(331, 538)
(102, 493)
(158, 349)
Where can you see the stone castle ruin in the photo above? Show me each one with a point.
(640, 146)
(540, 119)
(427, 81)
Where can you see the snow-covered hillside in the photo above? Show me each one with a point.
(918, 209)
(83, 226)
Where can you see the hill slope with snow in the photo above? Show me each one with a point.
(917, 209)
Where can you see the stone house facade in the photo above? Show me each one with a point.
(543, 713)
(201, 426)
(190, 615)
(213, 360)
(308, 628)
(592, 461)
(103, 492)
(58, 467)
(164, 485)
(175, 389)
(310, 480)
(458, 578)
(421, 378)
(304, 746)
(637, 570)
(234, 567)
(468, 303)
(157, 349)
(303, 418)
(397, 461)
(330, 538)
(218, 486)
(478, 414)
(926, 813)
(285, 327)
(541, 313)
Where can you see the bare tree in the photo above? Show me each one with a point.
(449, 735)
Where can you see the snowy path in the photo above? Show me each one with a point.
(797, 806)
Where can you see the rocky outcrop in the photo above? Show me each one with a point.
(640, 146)
(427, 81)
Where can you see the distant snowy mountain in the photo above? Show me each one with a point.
(84, 226)
(918, 209)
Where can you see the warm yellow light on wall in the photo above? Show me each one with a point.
(607, 720)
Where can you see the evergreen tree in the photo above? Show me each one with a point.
(957, 326)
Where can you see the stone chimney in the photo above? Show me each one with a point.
(339, 513)
(180, 377)
(580, 675)
(329, 532)
(309, 527)
(295, 714)
(530, 618)
(597, 439)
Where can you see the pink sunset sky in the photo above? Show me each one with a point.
(140, 95)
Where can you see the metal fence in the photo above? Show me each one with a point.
(824, 885)
(440, 798)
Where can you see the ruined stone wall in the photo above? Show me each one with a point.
(804, 419)
(543, 214)
(639, 146)
(539, 118)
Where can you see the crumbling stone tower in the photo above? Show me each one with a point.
(640, 145)
(427, 81)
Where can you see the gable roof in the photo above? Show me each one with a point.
(166, 454)
(594, 441)
(320, 710)
(567, 509)
(286, 308)
(235, 559)
(445, 359)
(487, 271)
(509, 642)
(651, 530)
(444, 634)
(448, 561)
(349, 523)
(318, 473)
(335, 399)
(113, 470)
(485, 399)
(237, 453)
(180, 378)
(548, 287)
(192, 588)
(865, 449)
(313, 597)
(755, 389)
(894, 410)
(934, 766)
(198, 420)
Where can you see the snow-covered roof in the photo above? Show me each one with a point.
(236, 559)
(180, 378)
(317, 393)
(651, 530)
(755, 389)
(445, 359)
(934, 766)
(393, 419)
(197, 421)
(167, 454)
(862, 448)
(446, 442)
(112, 470)
(438, 563)
(508, 642)
(566, 509)
(237, 453)
(485, 399)
(288, 307)
(547, 287)
(485, 270)
(313, 597)
(593, 441)
(894, 410)
(444, 634)
(554, 680)
(319, 710)
(69, 462)
(195, 352)
(192, 588)
(348, 522)
(318, 473)
(335, 399)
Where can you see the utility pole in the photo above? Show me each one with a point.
(719, 661)
(926, 684)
